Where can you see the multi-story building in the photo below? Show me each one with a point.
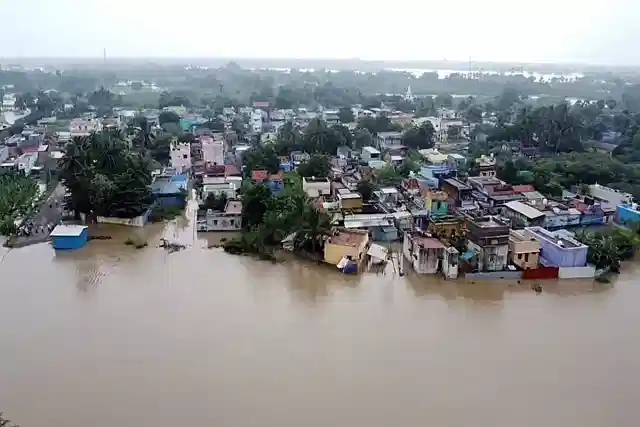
(489, 239)
(180, 156)
(212, 150)
(523, 251)
(84, 127)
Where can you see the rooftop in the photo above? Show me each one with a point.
(428, 242)
(68, 230)
(353, 238)
(489, 222)
(524, 209)
(457, 183)
(233, 207)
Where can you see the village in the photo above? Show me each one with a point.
(451, 215)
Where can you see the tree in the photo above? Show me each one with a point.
(419, 137)
(362, 138)
(255, 200)
(261, 157)
(345, 115)
(317, 166)
(388, 175)
(216, 203)
(444, 100)
(473, 114)
(168, 117)
(365, 188)
(105, 177)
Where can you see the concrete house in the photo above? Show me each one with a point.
(180, 156)
(558, 249)
(349, 244)
(522, 214)
(524, 251)
(228, 220)
(369, 153)
(489, 240)
(430, 256)
(316, 187)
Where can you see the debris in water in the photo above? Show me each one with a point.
(171, 246)
(537, 288)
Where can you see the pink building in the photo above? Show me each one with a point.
(212, 150)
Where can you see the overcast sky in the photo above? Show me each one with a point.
(497, 30)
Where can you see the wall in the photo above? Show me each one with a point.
(138, 221)
(490, 258)
(586, 272)
(541, 273)
(495, 275)
(626, 214)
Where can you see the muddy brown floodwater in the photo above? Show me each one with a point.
(111, 336)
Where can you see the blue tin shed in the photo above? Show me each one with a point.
(69, 237)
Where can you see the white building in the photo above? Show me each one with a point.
(611, 195)
(218, 185)
(228, 220)
(8, 102)
(27, 162)
(255, 121)
(84, 127)
(316, 187)
(212, 150)
(180, 153)
(370, 153)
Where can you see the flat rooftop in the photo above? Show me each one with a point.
(351, 238)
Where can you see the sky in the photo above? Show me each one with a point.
(584, 31)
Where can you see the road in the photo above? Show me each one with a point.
(50, 213)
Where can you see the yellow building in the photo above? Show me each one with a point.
(349, 200)
(523, 252)
(350, 244)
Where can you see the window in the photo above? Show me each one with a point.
(215, 222)
(184, 156)
(526, 257)
(519, 256)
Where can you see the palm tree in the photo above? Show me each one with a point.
(315, 226)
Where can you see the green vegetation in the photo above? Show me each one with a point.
(105, 177)
(607, 249)
(162, 213)
(268, 219)
(17, 199)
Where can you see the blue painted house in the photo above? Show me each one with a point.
(170, 191)
(628, 214)
(275, 182)
(69, 237)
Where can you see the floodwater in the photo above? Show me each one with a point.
(113, 336)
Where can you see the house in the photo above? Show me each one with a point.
(460, 194)
(180, 156)
(558, 249)
(348, 200)
(285, 164)
(560, 216)
(299, 157)
(276, 182)
(433, 157)
(534, 198)
(486, 166)
(344, 152)
(349, 244)
(369, 153)
(522, 214)
(602, 193)
(69, 237)
(84, 127)
(489, 240)
(228, 220)
(26, 162)
(212, 150)
(492, 190)
(628, 214)
(434, 202)
(171, 191)
(524, 251)
(217, 185)
(387, 139)
(381, 226)
(591, 214)
(425, 254)
(316, 187)
(456, 161)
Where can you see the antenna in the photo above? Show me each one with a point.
(104, 54)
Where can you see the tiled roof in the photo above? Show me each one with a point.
(259, 175)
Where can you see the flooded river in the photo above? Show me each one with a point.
(113, 336)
